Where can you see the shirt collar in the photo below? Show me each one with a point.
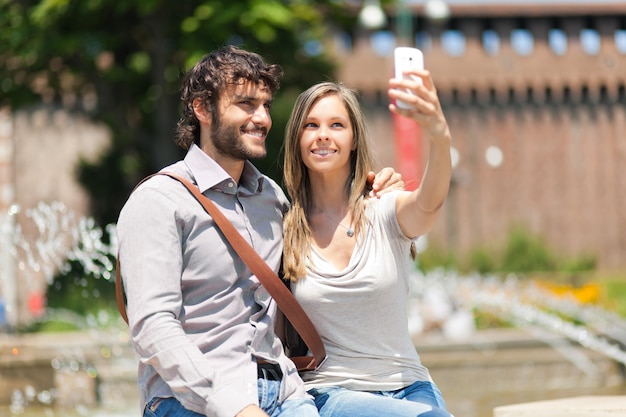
(208, 174)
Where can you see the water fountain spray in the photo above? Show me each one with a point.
(61, 237)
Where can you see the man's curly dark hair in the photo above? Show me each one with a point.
(208, 79)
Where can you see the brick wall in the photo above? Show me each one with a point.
(558, 119)
(561, 177)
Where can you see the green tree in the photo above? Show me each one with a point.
(121, 61)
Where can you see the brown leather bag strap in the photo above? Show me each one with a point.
(119, 291)
(270, 280)
(119, 288)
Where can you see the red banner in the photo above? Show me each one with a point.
(408, 137)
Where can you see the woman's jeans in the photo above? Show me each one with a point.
(268, 401)
(421, 399)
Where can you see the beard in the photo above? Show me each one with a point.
(228, 141)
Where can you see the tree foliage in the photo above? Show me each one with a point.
(121, 62)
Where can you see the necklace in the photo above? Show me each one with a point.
(349, 230)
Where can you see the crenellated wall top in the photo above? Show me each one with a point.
(497, 54)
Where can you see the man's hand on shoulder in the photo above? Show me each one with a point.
(384, 181)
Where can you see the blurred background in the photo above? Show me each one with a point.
(522, 279)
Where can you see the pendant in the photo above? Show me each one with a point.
(350, 232)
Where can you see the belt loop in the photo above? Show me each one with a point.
(155, 404)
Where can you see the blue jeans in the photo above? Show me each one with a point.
(421, 399)
(268, 401)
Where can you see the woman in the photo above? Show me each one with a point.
(347, 256)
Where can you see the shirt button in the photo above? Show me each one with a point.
(230, 185)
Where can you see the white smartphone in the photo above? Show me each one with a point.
(405, 59)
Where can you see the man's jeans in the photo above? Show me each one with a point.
(268, 401)
(421, 399)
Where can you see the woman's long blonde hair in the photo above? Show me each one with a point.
(296, 179)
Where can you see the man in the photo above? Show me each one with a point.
(201, 323)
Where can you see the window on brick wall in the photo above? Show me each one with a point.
(491, 42)
(590, 41)
(557, 39)
(522, 41)
(424, 41)
(383, 42)
(453, 42)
